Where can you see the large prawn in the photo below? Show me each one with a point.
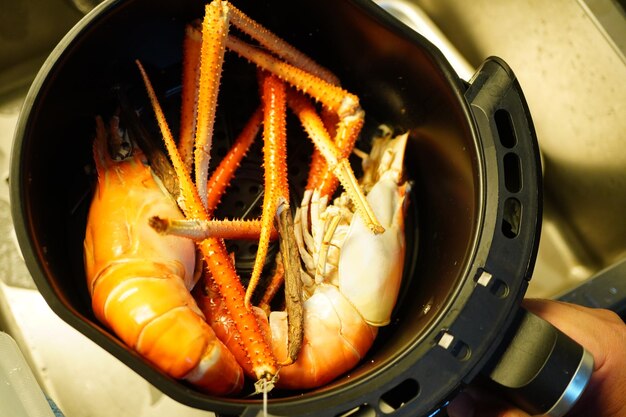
(139, 280)
(351, 277)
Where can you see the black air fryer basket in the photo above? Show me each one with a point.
(473, 224)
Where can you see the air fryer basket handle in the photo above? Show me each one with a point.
(537, 366)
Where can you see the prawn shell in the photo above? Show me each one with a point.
(370, 266)
(336, 338)
(126, 197)
(139, 280)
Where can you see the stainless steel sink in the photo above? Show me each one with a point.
(569, 58)
(569, 61)
(29, 29)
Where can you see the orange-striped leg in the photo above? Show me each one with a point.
(316, 81)
(198, 230)
(214, 34)
(278, 46)
(276, 208)
(220, 179)
(320, 176)
(335, 99)
(217, 259)
(275, 283)
(192, 45)
(335, 157)
(213, 306)
(276, 189)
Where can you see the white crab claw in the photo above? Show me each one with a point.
(370, 266)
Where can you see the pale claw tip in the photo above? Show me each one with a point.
(377, 229)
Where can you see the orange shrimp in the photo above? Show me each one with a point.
(140, 281)
(351, 277)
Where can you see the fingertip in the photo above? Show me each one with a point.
(461, 406)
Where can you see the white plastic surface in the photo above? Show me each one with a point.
(20, 394)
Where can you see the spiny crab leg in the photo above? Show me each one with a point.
(293, 285)
(275, 283)
(192, 45)
(319, 175)
(214, 34)
(217, 259)
(335, 99)
(275, 205)
(337, 161)
(276, 188)
(276, 208)
(305, 75)
(224, 172)
(278, 46)
(198, 230)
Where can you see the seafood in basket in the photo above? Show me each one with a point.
(340, 261)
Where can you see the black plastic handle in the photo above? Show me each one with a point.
(538, 367)
(541, 369)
